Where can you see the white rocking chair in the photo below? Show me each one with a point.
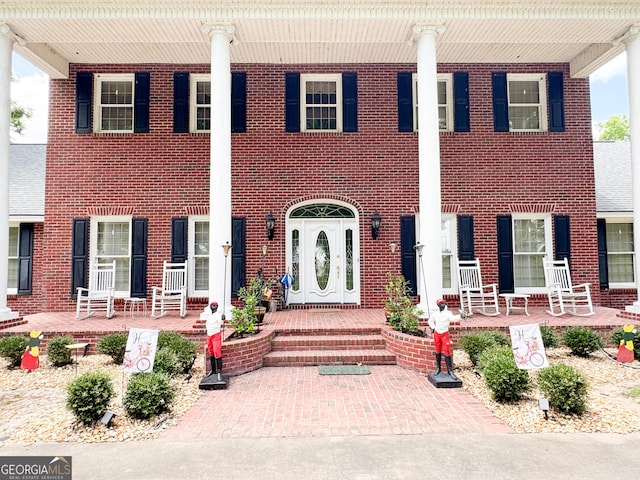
(474, 296)
(173, 293)
(100, 294)
(564, 297)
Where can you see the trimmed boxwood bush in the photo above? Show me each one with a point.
(88, 396)
(549, 337)
(565, 387)
(148, 394)
(57, 352)
(166, 361)
(476, 343)
(502, 376)
(12, 348)
(184, 348)
(114, 345)
(582, 341)
(616, 337)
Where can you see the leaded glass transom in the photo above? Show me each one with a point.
(322, 210)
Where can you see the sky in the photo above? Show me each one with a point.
(609, 95)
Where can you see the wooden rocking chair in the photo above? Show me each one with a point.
(564, 297)
(173, 293)
(474, 296)
(101, 291)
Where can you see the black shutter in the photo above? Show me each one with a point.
(562, 237)
(466, 250)
(25, 256)
(349, 102)
(405, 102)
(79, 255)
(238, 102)
(500, 102)
(139, 258)
(292, 101)
(505, 254)
(603, 264)
(179, 240)
(407, 252)
(238, 254)
(556, 102)
(180, 102)
(141, 102)
(461, 119)
(84, 98)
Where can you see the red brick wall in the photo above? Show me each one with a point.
(161, 175)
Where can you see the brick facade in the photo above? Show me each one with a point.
(161, 174)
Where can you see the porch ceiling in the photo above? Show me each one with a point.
(56, 33)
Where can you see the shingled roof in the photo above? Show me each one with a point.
(26, 180)
(612, 162)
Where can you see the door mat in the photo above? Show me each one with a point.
(343, 370)
(324, 310)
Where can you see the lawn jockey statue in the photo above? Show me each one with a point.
(215, 324)
(439, 322)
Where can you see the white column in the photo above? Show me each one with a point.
(430, 266)
(6, 49)
(220, 167)
(632, 45)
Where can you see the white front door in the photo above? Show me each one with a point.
(323, 256)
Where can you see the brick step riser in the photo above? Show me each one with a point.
(303, 345)
(302, 361)
(345, 332)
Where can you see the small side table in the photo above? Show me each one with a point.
(510, 297)
(135, 305)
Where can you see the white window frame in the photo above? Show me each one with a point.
(13, 290)
(447, 79)
(548, 242)
(192, 249)
(97, 100)
(453, 254)
(542, 100)
(194, 79)
(330, 77)
(93, 249)
(621, 285)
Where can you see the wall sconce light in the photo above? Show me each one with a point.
(376, 220)
(263, 249)
(270, 222)
(393, 247)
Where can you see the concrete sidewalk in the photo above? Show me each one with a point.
(442, 456)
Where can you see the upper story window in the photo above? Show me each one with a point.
(321, 103)
(114, 96)
(445, 99)
(527, 102)
(200, 103)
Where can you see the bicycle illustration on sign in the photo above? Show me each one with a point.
(532, 355)
(527, 346)
(140, 351)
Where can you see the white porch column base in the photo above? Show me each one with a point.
(632, 45)
(220, 168)
(429, 235)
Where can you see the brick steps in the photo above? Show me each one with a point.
(305, 358)
(326, 342)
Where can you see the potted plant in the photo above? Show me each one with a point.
(400, 311)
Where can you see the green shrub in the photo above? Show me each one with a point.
(549, 337)
(582, 341)
(502, 376)
(166, 361)
(565, 387)
(184, 348)
(88, 396)
(12, 348)
(476, 343)
(148, 394)
(114, 345)
(57, 352)
(616, 338)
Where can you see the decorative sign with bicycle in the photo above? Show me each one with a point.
(528, 349)
(140, 351)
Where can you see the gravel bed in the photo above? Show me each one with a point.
(610, 409)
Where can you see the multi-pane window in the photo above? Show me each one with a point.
(448, 235)
(527, 102)
(530, 245)
(445, 99)
(620, 254)
(12, 285)
(111, 240)
(200, 103)
(114, 102)
(321, 103)
(198, 256)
